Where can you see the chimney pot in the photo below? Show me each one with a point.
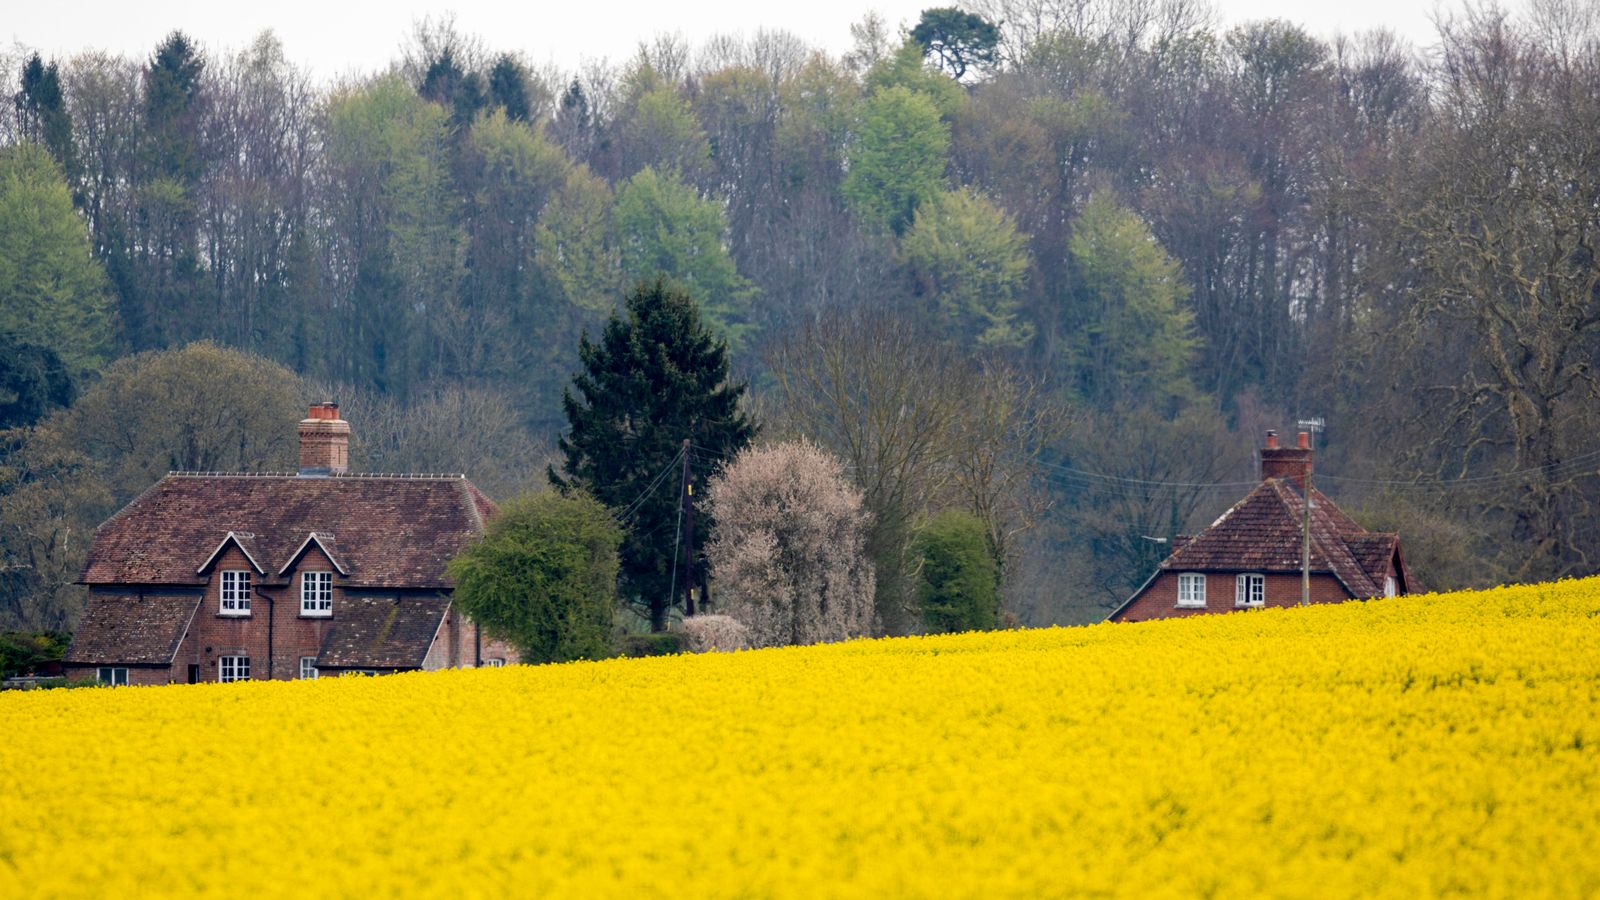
(1293, 463)
(324, 441)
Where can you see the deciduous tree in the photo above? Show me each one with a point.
(788, 556)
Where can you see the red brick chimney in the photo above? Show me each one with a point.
(324, 441)
(1293, 463)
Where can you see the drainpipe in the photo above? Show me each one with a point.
(272, 613)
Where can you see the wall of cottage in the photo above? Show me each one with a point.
(460, 644)
(214, 635)
(1159, 600)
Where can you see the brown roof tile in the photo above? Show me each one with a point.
(132, 630)
(388, 531)
(1263, 532)
(382, 632)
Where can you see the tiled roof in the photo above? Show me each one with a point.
(382, 632)
(388, 531)
(1263, 533)
(132, 630)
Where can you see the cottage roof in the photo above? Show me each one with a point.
(382, 632)
(132, 628)
(394, 531)
(1263, 533)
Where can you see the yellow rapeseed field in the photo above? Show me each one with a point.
(1412, 748)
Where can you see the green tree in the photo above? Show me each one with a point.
(898, 160)
(52, 291)
(957, 40)
(906, 68)
(960, 583)
(200, 407)
(42, 112)
(656, 378)
(544, 576)
(967, 258)
(1135, 330)
(666, 229)
(392, 223)
(33, 381)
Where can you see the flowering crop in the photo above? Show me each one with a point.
(1410, 747)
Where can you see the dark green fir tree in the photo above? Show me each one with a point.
(656, 377)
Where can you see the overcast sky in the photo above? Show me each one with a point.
(335, 37)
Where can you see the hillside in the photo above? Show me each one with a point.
(1411, 747)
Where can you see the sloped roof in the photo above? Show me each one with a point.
(391, 531)
(1263, 533)
(132, 630)
(382, 632)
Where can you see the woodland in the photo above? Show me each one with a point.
(1056, 265)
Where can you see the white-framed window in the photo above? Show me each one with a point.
(316, 593)
(1250, 590)
(1391, 587)
(494, 662)
(308, 667)
(233, 668)
(236, 592)
(1192, 590)
(112, 675)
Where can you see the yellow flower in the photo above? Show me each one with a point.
(1408, 747)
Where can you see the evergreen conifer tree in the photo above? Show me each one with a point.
(656, 377)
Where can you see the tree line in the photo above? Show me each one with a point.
(1053, 264)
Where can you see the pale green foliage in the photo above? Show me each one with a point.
(661, 131)
(401, 140)
(1137, 335)
(964, 254)
(906, 68)
(898, 161)
(52, 290)
(665, 228)
(575, 244)
(544, 576)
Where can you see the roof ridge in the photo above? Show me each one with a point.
(374, 476)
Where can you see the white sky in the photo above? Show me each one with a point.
(336, 37)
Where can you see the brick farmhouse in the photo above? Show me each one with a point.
(1251, 556)
(230, 577)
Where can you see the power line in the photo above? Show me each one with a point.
(638, 502)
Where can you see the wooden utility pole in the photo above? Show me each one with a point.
(688, 537)
(1312, 428)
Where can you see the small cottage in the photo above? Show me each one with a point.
(1251, 556)
(238, 576)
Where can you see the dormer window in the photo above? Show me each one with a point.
(235, 592)
(316, 593)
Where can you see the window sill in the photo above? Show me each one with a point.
(233, 615)
(316, 615)
(1190, 606)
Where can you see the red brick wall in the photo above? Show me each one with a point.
(457, 645)
(213, 635)
(1160, 599)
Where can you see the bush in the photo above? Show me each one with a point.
(660, 643)
(21, 652)
(704, 634)
(960, 586)
(544, 577)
